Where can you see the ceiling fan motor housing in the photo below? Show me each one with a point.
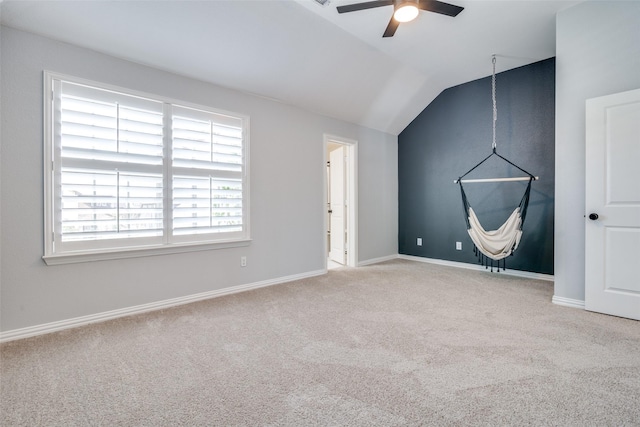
(405, 10)
(400, 3)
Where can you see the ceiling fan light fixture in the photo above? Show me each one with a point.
(406, 11)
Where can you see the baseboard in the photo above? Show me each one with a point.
(47, 328)
(377, 260)
(478, 267)
(568, 302)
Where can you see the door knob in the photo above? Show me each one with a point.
(593, 216)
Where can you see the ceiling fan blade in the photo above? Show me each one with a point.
(391, 28)
(440, 7)
(362, 6)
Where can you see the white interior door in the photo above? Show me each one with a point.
(338, 221)
(612, 272)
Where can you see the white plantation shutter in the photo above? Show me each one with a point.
(110, 204)
(111, 167)
(132, 171)
(208, 169)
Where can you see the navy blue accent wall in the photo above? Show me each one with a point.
(452, 135)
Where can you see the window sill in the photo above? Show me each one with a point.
(136, 252)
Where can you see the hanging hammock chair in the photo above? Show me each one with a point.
(496, 245)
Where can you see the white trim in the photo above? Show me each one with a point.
(48, 160)
(477, 267)
(53, 75)
(568, 302)
(377, 260)
(61, 325)
(122, 253)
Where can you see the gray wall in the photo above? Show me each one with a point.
(597, 54)
(452, 135)
(287, 199)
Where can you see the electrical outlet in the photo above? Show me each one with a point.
(458, 246)
(419, 241)
(243, 261)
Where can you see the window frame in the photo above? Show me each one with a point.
(132, 247)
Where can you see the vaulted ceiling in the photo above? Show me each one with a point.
(303, 53)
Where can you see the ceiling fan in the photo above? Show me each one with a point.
(404, 10)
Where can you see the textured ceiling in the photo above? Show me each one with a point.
(305, 54)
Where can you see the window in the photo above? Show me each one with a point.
(133, 174)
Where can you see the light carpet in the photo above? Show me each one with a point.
(399, 343)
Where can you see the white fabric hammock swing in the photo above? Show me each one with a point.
(496, 245)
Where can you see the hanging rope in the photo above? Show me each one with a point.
(495, 118)
(493, 97)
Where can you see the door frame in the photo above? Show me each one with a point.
(351, 194)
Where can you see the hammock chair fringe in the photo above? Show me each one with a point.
(488, 262)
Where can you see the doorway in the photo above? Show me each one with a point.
(340, 202)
